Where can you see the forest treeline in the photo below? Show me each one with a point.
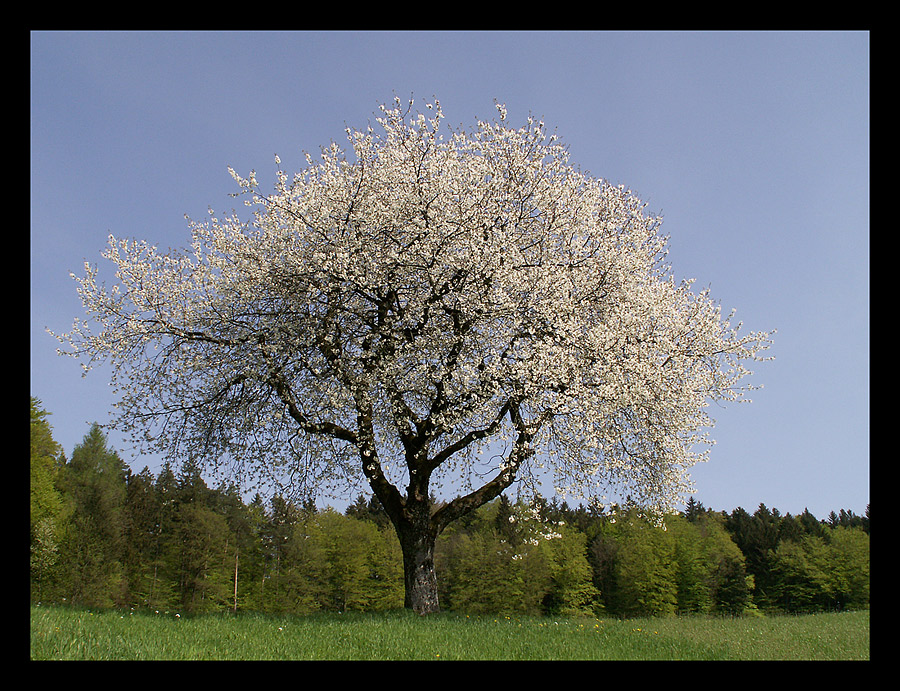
(104, 536)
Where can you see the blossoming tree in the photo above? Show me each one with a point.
(469, 309)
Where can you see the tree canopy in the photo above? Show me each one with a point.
(386, 316)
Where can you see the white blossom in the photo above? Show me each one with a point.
(393, 312)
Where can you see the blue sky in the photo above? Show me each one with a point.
(753, 146)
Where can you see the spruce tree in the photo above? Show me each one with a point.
(164, 561)
(693, 510)
(142, 537)
(94, 546)
(205, 562)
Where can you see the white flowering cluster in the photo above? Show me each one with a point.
(388, 314)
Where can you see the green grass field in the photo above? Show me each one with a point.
(62, 634)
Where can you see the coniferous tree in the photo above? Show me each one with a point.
(142, 537)
(94, 546)
(738, 525)
(757, 538)
(359, 508)
(48, 509)
(277, 538)
(369, 510)
(810, 525)
(602, 554)
(505, 522)
(163, 562)
(245, 527)
(204, 559)
(254, 570)
(789, 528)
(730, 586)
(693, 510)
(174, 542)
(201, 539)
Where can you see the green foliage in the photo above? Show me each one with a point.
(693, 579)
(848, 571)
(801, 584)
(103, 536)
(729, 585)
(572, 591)
(93, 545)
(821, 573)
(205, 562)
(479, 575)
(347, 564)
(646, 569)
(48, 509)
(492, 563)
(46, 502)
(508, 560)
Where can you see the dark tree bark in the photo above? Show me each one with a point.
(417, 538)
(417, 524)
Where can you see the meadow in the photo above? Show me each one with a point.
(67, 634)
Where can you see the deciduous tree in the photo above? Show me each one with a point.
(47, 505)
(385, 315)
(646, 569)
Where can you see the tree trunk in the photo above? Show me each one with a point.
(419, 578)
(411, 515)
